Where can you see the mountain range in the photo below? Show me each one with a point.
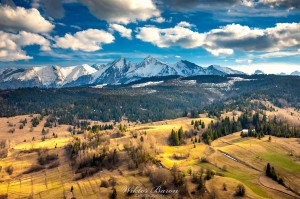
(119, 71)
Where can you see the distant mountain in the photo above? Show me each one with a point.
(151, 67)
(43, 76)
(258, 72)
(117, 72)
(282, 74)
(218, 70)
(186, 68)
(295, 73)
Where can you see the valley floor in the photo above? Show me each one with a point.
(234, 160)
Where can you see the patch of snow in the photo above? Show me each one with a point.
(99, 86)
(147, 84)
(190, 82)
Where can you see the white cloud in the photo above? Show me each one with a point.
(120, 11)
(88, 40)
(279, 54)
(159, 20)
(76, 27)
(177, 56)
(249, 61)
(181, 35)
(227, 39)
(232, 37)
(11, 45)
(124, 32)
(19, 18)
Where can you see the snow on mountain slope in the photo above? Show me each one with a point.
(10, 73)
(45, 75)
(218, 70)
(295, 73)
(152, 67)
(53, 76)
(147, 84)
(78, 71)
(186, 68)
(258, 72)
(117, 72)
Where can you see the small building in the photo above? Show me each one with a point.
(245, 131)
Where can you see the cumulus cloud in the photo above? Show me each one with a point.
(237, 37)
(181, 35)
(226, 39)
(11, 45)
(19, 18)
(280, 54)
(88, 40)
(120, 11)
(158, 20)
(124, 32)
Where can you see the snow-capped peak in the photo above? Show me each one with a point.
(258, 72)
(118, 71)
(186, 68)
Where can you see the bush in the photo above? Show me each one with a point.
(104, 183)
(3, 153)
(114, 193)
(3, 196)
(9, 169)
(240, 190)
(45, 158)
(203, 159)
(34, 168)
(161, 177)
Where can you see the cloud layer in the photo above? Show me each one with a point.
(181, 35)
(232, 37)
(120, 11)
(88, 40)
(226, 39)
(19, 18)
(123, 31)
(11, 45)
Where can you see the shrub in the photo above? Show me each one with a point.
(240, 190)
(33, 168)
(45, 158)
(3, 153)
(3, 196)
(203, 160)
(104, 183)
(114, 193)
(161, 176)
(9, 169)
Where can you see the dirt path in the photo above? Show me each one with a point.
(238, 160)
(270, 184)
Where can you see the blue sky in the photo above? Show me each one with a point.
(242, 34)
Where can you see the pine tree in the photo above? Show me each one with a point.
(203, 125)
(114, 193)
(180, 134)
(268, 170)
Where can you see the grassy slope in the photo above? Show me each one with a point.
(53, 183)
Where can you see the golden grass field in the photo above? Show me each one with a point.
(57, 182)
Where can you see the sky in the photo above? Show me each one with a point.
(242, 34)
